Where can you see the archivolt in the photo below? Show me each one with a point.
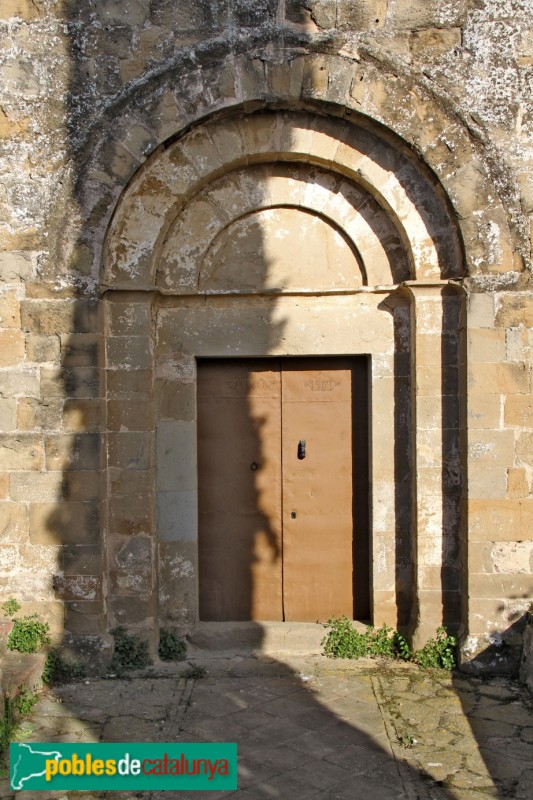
(382, 200)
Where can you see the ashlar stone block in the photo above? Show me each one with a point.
(21, 452)
(9, 309)
(515, 309)
(130, 450)
(175, 444)
(488, 449)
(82, 415)
(15, 266)
(70, 382)
(130, 415)
(35, 487)
(8, 414)
(79, 350)
(517, 482)
(177, 516)
(486, 344)
(79, 451)
(487, 483)
(518, 410)
(524, 448)
(480, 311)
(130, 515)
(12, 347)
(363, 15)
(65, 523)
(59, 316)
(42, 348)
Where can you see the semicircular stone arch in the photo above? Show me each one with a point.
(382, 200)
(275, 204)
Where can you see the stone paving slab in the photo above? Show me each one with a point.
(311, 728)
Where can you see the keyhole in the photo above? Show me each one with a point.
(293, 514)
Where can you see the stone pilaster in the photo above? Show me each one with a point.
(435, 330)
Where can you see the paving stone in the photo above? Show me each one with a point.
(341, 737)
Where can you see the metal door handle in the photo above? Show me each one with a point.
(301, 449)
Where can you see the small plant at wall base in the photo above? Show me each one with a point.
(343, 641)
(438, 653)
(29, 635)
(10, 607)
(13, 709)
(131, 652)
(57, 670)
(171, 648)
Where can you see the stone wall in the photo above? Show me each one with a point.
(89, 92)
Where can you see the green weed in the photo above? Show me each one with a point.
(438, 653)
(171, 648)
(29, 635)
(194, 672)
(131, 652)
(11, 607)
(57, 670)
(343, 641)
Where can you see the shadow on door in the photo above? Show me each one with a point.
(283, 489)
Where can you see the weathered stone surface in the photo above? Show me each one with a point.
(517, 482)
(135, 134)
(130, 515)
(21, 451)
(70, 382)
(31, 486)
(128, 352)
(362, 15)
(42, 348)
(39, 415)
(58, 316)
(73, 451)
(15, 267)
(433, 43)
(82, 485)
(82, 415)
(79, 350)
(21, 9)
(130, 415)
(8, 414)
(13, 522)
(12, 347)
(9, 310)
(515, 309)
(129, 450)
(176, 400)
(519, 411)
(65, 523)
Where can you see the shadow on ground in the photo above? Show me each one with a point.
(311, 727)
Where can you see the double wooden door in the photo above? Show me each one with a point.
(275, 489)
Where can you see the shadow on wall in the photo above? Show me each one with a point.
(83, 522)
(84, 579)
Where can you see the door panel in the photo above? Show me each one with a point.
(276, 535)
(239, 441)
(317, 490)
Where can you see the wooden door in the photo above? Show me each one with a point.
(239, 496)
(316, 400)
(275, 489)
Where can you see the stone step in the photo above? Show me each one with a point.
(18, 670)
(259, 637)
